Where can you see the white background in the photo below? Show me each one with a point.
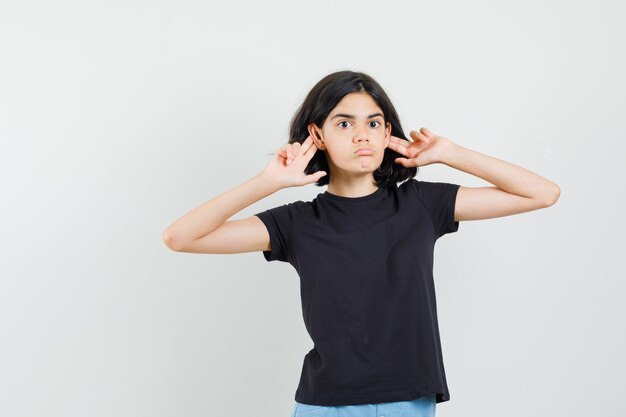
(117, 118)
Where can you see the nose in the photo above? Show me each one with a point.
(360, 135)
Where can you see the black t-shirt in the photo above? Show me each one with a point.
(367, 290)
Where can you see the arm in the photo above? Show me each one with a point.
(206, 229)
(517, 190)
(211, 219)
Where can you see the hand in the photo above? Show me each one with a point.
(425, 149)
(286, 168)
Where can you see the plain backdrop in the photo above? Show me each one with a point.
(117, 118)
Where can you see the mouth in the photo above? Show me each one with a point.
(364, 151)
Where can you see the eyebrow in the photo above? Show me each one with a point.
(349, 116)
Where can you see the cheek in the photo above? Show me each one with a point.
(340, 150)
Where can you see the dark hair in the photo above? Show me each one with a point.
(323, 98)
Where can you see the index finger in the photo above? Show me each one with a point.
(400, 141)
(310, 151)
(306, 145)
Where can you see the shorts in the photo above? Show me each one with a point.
(423, 406)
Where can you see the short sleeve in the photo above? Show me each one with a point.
(279, 222)
(440, 200)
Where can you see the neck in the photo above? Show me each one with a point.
(352, 187)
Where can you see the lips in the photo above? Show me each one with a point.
(364, 151)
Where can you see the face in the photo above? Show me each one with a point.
(356, 122)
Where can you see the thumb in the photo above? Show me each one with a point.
(400, 161)
(407, 163)
(315, 176)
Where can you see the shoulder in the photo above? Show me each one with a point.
(430, 187)
(287, 211)
(433, 194)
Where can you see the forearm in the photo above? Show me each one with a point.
(209, 216)
(504, 175)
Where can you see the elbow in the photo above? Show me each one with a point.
(171, 242)
(554, 196)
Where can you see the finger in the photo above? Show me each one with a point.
(419, 146)
(306, 145)
(420, 136)
(310, 152)
(284, 151)
(408, 163)
(295, 151)
(400, 141)
(398, 148)
(311, 178)
(402, 146)
(291, 151)
(282, 154)
(426, 132)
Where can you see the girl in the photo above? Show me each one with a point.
(364, 248)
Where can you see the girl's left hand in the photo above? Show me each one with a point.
(425, 149)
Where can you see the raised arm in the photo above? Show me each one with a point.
(516, 189)
(206, 229)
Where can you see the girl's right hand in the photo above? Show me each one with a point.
(286, 168)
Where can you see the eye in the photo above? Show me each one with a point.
(343, 121)
(376, 121)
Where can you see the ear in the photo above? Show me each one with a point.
(316, 134)
(387, 134)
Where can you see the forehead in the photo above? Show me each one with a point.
(360, 104)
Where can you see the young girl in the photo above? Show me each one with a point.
(364, 248)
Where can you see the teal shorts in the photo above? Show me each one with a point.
(423, 406)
